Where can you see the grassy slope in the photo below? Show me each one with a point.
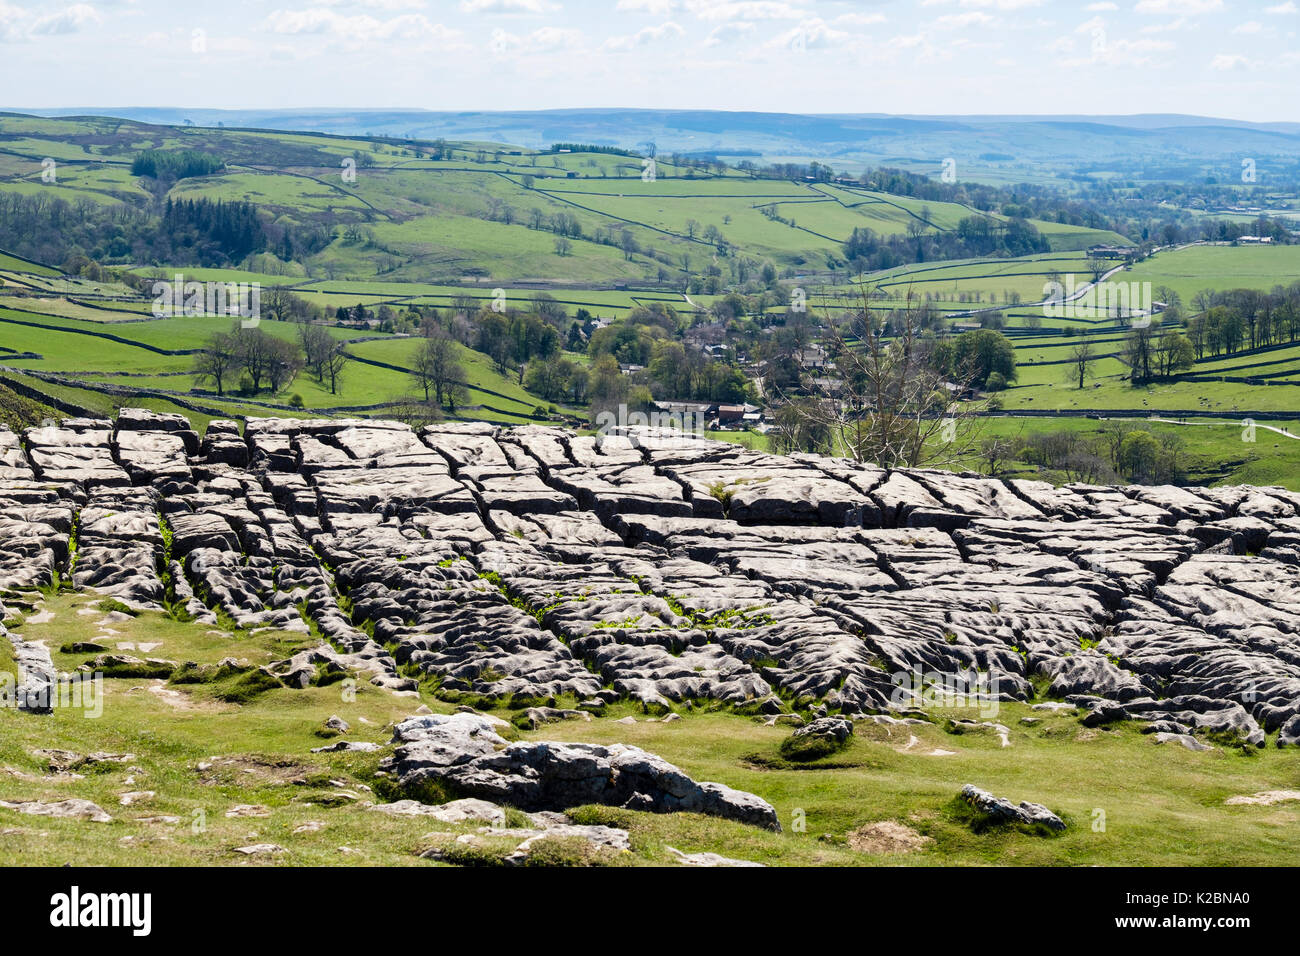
(1189, 270)
(1215, 452)
(432, 215)
(1162, 804)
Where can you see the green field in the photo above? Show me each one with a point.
(1215, 451)
(470, 213)
(416, 231)
(1189, 270)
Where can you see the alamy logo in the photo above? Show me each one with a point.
(933, 689)
(687, 424)
(243, 299)
(85, 693)
(74, 909)
(1116, 300)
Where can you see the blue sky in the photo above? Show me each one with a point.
(1235, 59)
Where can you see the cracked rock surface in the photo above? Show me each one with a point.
(531, 562)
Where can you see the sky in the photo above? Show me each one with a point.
(1236, 59)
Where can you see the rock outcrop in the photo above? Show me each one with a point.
(464, 752)
(528, 563)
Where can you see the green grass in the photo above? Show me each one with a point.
(7, 664)
(1214, 451)
(1189, 270)
(15, 264)
(436, 218)
(201, 755)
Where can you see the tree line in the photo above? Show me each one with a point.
(975, 236)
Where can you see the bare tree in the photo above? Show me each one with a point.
(216, 361)
(416, 412)
(894, 396)
(1082, 360)
(996, 453)
(316, 343)
(335, 361)
(628, 244)
(438, 370)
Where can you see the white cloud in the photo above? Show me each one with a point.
(960, 21)
(658, 8)
(1117, 52)
(508, 6)
(361, 28)
(377, 4)
(744, 10)
(11, 19)
(1171, 27)
(1001, 4)
(859, 19)
(1283, 8)
(726, 32)
(1189, 7)
(910, 42)
(554, 38)
(1249, 27)
(645, 37)
(1224, 62)
(543, 40)
(68, 20)
(813, 34)
(1104, 7)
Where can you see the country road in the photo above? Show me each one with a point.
(1272, 428)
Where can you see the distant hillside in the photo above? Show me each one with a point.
(446, 209)
(1027, 147)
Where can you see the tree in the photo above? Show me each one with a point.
(563, 246)
(216, 361)
(578, 379)
(494, 339)
(996, 453)
(283, 362)
(1082, 360)
(438, 370)
(892, 403)
(607, 387)
(1173, 353)
(1168, 296)
(1139, 349)
(1138, 456)
(257, 353)
(316, 343)
(549, 309)
(278, 302)
(798, 427)
(549, 378)
(335, 362)
(981, 352)
(1197, 333)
